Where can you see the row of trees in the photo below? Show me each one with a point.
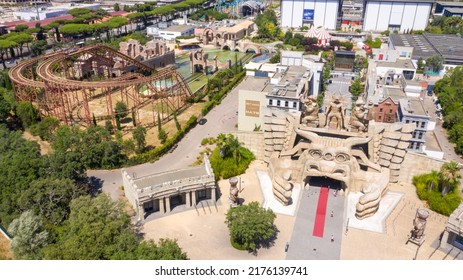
(449, 90)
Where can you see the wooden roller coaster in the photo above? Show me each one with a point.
(62, 84)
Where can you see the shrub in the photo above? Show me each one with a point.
(442, 204)
(227, 167)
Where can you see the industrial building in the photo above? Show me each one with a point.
(397, 15)
(44, 12)
(295, 13)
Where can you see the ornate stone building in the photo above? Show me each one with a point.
(453, 234)
(163, 191)
(364, 157)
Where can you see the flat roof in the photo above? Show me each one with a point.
(454, 10)
(413, 104)
(178, 28)
(155, 179)
(394, 93)
(399, 63)
(453, 4)
(450, 46)
(289, 83)
(421, 47)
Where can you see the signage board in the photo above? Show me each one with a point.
(308, 14)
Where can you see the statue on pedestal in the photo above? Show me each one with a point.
(234, 191)
(335, 111)
(358, 117)
(310, 116)
(419, 225)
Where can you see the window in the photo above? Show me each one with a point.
(423, 124)
(270, 102)
(410, 146)
(379, 118)
(420, 135)
(390, 111)
(414, 134)
(294, 104)
(380, 110)
(278, 102)
(201, 194)
(407, 121)
(286, 103)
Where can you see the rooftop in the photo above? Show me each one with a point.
(237, 27)
(291, 83)
(450, 46)
(399, 63)
(412, 106)
(456, 219)
(453, 4)
(155, 179)
(178, 28)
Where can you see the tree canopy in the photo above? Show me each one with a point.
(251, 225)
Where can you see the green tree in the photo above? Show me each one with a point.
(5, 106)
(356, 89)
(177, 124)
(49, 198)
(420, 63)
(21, 27)
(139, 135)
(108, 125)
(29, 237)
(20, 39)
(435, 63)
(47, 127)
(5, 45)
(38, 47)
(450, 176)
(276, 58)
(251, 225)
(27, 113)
(116, 7)
(121, 110)
(162, 135)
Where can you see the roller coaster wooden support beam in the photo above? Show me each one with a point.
(53, 83)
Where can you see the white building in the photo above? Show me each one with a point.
(297, 13)
(174, 31)
(42, 13)
(398, 15)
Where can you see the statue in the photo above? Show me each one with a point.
(419, 224)
(358, 117)
(234, 191)
(310, 116)
(335, 111)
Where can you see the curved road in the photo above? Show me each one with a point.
(222, 118)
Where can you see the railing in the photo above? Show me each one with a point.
(177, 183)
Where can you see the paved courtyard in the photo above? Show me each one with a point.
(204, 234)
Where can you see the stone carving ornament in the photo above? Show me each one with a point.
(310, 117)
(335, 111)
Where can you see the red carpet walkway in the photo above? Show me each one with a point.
(319, 225)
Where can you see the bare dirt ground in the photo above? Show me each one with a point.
(45, 147)
(5, 253)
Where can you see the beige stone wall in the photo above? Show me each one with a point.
(415, 164)
(254, 141)
(251, 105)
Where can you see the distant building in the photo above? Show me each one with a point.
(411, 110)
(400, 15)
(295, 13)
(391, 71)
(449, 46)
(449, 9)
(384, 111)
(174, 31)
(42, 13)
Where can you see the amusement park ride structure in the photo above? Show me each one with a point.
(63, 83)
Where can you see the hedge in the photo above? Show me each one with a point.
(227, 167)
(156, 153)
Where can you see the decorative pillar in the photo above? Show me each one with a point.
(168, 204)
(141, 212)
(161, 205)
(213, 190)
(188, 203)
(193, 197)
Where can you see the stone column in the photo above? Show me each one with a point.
(213, 190)
(188, 203)
(193, 198)
(168, 204)
(161, 205)
(141, 212)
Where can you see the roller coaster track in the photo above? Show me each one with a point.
(46, 74)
